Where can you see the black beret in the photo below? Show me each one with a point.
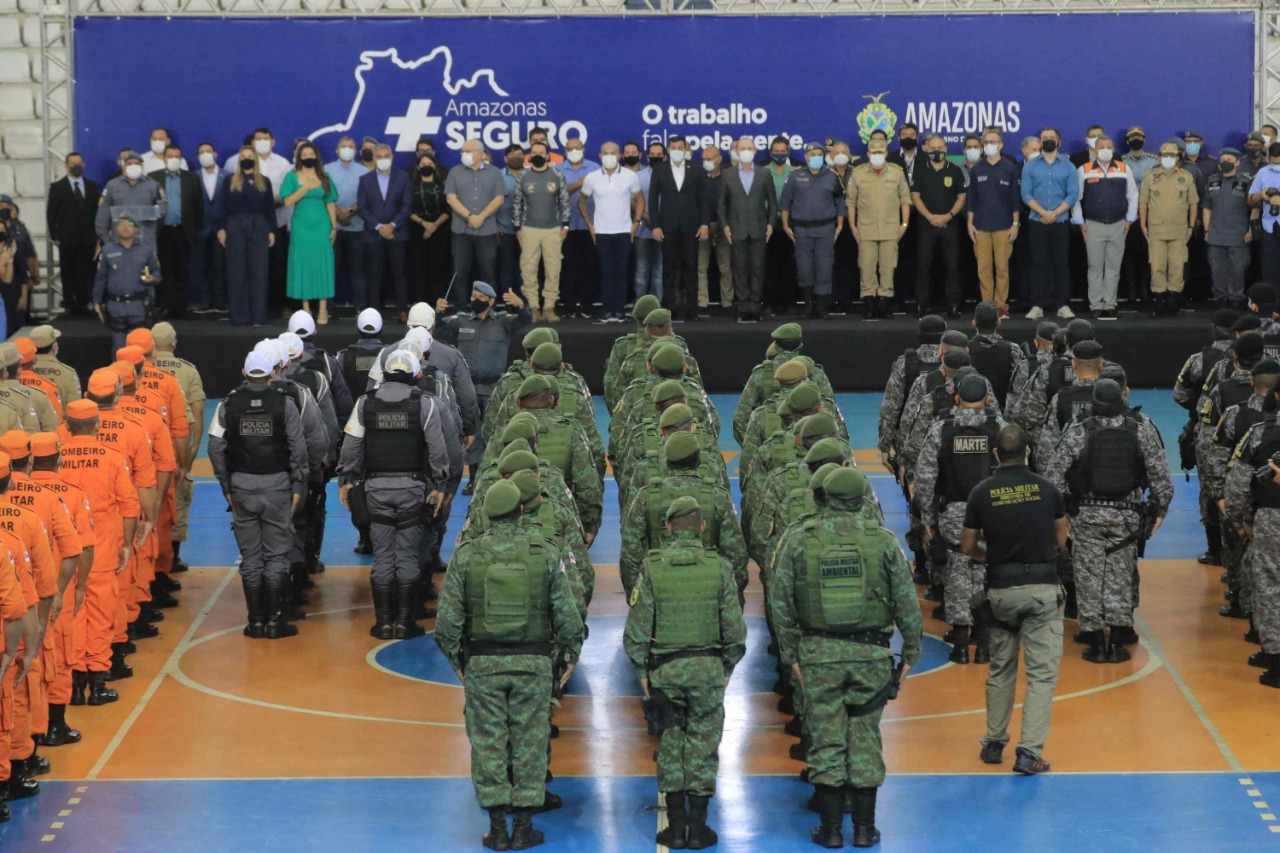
(1046, 330)
(972, 389)
(1262, 294)
(1114, 372)
(1224, 317)
(1268, 366)
(1079, 330)
(1106, 391)
(932, 324)
(956, 359)
(955, 338)
(1248, 348)
(1247, 323)
(1086, 350)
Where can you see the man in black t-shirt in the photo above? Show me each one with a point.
(1023, 518)
(938, 195)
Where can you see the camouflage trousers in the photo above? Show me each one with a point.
(1266, 576)
(689, 755)
(507, 698)
(844, 750)
(1210, 488)
(964, 576)
(1235, 550)
(1106, 583)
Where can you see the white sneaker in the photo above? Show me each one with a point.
(1066, 313)
(1036, 313)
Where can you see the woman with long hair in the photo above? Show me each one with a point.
(430, 261)
(247, 232)
(312, 230)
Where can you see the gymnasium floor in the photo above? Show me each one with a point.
(334, 741)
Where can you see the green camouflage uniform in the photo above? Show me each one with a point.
(579, 409)
(760, 386)
(630, 353)
(648, 463)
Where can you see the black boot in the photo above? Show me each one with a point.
(256, 606)
(277, 595)
(1212, 555)
(677, 820)
(1251, 636)
(99, 692)
(799, 751)
(407, 605)
(700, 835)
(364, 547)
(787, 704)
(1097, 651)
(1116, 652)
(794, 727)
(1271, 678)
(424, 590)
(59, 733)
(149, 613)
(1261, 660)
(823, 304)
(1069, 608)
(38, 765)
(870, 310)
(160, 596)
(960, 651)
(140, 629)
(982, 640)
(497, 838)
(523, 835)
(79, 683)
(865, 833)
(119, 669)
(20, 786)
(384, 596)
(829, 833)
(179, 565)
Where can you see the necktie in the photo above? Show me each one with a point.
(79, 193)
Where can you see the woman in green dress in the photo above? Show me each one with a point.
(312, 230)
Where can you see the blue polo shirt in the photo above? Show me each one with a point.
(345, 178)
(1268, 177)
(994, 194)
(573, 174)
(1050, 184)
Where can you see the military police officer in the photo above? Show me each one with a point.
(1167, 207)
(812, 208)
(134, 195)
(878, 198)
(124, 287)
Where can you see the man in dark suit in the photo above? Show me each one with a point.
(73, 203)
(907, 156)
(748, 209)
(384, 201)
(178, 231)
(680, 213)
(208, 258)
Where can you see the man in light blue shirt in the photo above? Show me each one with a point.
(580, 272)
(1050, 188)
(648, 250)
(348, 251)
(1264, 192)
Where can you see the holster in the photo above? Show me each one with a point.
(660, 713)
(359, 506)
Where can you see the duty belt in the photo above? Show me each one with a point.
(660, 660)
(1132, 506)
(870, 638)
(137, 297)
(1005, 575)
(484, 648)
(812, 223)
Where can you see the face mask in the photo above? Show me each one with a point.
(973, 155)
(1253, 152)
(426, 171)
(1048, 146)
(246, 164)
(677, 156)
(829, 161)
(133, 171)
(990, 150)
(778, 158)
(631, 160)
(367, 155)
(76, 171)
(1136, 144)
(733, 156)
(1092, 142)
(842, 159)
(815, 162)
(1266, 140)
(157, 146)
(478, 305)
(468, 159)
(208, 160)
(1193, 148)
(937, 156)
(609, 161)
(537, 161)
(908, 143)
(746, 158)
(173, 164)
(309, 162)
(346, 154)
(877, 160)
(1227, 167)
(574, 155)
(1033, 155)
(1168, 162)
(262, 146)
(709, 165)
(654, 161)
(1105, 155)
(1275, 167)
(384, 164)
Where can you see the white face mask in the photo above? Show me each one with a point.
(1105, 154)
(1266, 140)
(842, 159)
(829, 161)
(1033, 155)
(157, 146)
(468, 159)
(173, 164)
(733, 156)
(262, 146)
(677, 156)
(1092, 141)
(1168, 162)
(346, 154)
(990, 150)
(207, 159)
(747, 158)
(609, 161)
(133, 171)
(709, 165)
(574, 155)
(384, 164)
(877, 160)
(973, 155)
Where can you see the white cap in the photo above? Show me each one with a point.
(422, 314)
(258, 364)
(292, 343)
(420, 336)
(302, 324)
(410, 346)
(274, 350)
(369, 321)
(402, 361)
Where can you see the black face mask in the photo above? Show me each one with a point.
(478, 305)
(631, 160)
(1136, 144)
(246, 164)
(1227, 168)
(367, 155)
(778, 158)
(537, 161)
(937, 156)
(657, 161)
(426, 171)
(1048, 146)
(790, 345)
(4, 236)
(309, 162)
(76, 171)
(908, 143)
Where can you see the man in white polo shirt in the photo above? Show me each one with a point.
(619, 205)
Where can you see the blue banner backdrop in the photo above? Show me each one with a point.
(710, 78)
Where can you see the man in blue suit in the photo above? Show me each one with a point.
(384, 200)
(208, 265)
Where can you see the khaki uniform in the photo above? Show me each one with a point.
(22, 400)
(62, 375)
(874, 202)
(1169, 196)
(192, 392)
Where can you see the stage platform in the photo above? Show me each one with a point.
(855, 353)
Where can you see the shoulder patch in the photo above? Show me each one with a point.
(635, 594)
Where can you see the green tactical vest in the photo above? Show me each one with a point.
(508, 591)
(661, 492)
(544, 518)
(686, 598)
(554, 437)
(797, 504)
(779, 450)
(570, 399)
(844, 586)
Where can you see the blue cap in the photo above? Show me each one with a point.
(486, 289)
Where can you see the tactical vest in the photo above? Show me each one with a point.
(1246, 417)
(1060, 375)
(964, 458)
(844, 586)
(310, 379)
(661, 492)
(554, 437)
(994, 360)
(1271, 344)
(291, 390)
(570, 400)
(319, 362)
(779, 450)
(912, 366)
(356, 362)
(1231, 391)
(686, 598)
(1263, 491)
(1111, 466)
(1209, 357)
(255, 431)
(508, 592)
(796, 505)
(393, 439)
(1073, 401)
(944, 400)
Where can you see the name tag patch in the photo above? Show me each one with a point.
(969, 444)
(260, 427)
(845, 566)
(393, 420)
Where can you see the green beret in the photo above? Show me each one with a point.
(788, 332)
(682, 506)
(658, 317)
(547, 356)
(541, 335)
(676, 415)
(667, 390)
(520, 460)
(667, 359)
(803, 396)
(518, 427)
(820, 425)
(826, 450)
(846, 484)
(771, 350)
(791, 372)
(528, 483)
(532, 386)
(518, 445)
(815, 482)
(808, 363)
(501, 499)
(645, 306)
(681, 446)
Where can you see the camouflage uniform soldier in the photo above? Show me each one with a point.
(643, 526)
(1033, 405)
(907, 368)
(1104, 465)
(677, 418)
(685, 634)
(769, 419)
(785, 485)
(656, 329)
(1071, 400)
(788, 338)
(506, 602)
(522, 434)
(1040, 355)
(666, 362)
(648, 410)
(624, 346)
(839, 588)
(955, 457)
(782, 452)
(518, 372)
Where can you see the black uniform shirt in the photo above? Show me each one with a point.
(1016, 510)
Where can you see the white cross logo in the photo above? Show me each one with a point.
(415, 122)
